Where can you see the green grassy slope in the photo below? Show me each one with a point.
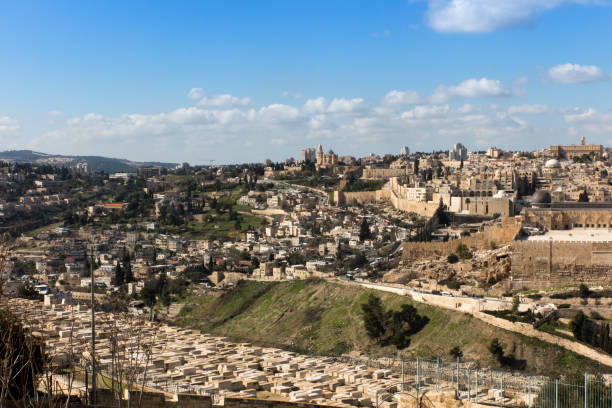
(322, 317)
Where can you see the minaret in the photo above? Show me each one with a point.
(582, 141)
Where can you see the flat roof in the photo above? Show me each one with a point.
(584, 235)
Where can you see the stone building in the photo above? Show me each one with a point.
(457, 153)
(572, 151)
(308, 155)
(326, 160)
(567, 215)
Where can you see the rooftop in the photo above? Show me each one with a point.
(588, 235)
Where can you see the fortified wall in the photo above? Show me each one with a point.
(537, 264)
(501, 234)
(392, 191)
(375, 173)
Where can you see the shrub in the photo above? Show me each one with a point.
(564, 306)
(463, 252)
(391, 327)
(584, 291)
(456, 352)
(452, 258)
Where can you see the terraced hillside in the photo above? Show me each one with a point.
(323, 317)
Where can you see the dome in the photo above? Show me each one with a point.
(541, 197)
(552, 164)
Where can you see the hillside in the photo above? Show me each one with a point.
(324, 317)
(94, 163)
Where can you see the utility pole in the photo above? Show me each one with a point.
(93, 334)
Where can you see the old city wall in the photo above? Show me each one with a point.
(362, 197)
(572, 262)
(424, 209)
(393, 192)
(499, 234)
(384, 173)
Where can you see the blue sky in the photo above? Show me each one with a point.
(244, 81)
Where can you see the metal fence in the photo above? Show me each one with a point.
(499, 387)
(420, 377)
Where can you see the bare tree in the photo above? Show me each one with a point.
(21, 361)
(131, 354)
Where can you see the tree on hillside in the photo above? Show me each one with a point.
(496, 349)
(579, 326)
(374, 317)
(456, 352)
(584, 291)
(441, 215)
(583, 197)
(364, 230)
(127, 268)
(391, 327)
(118, 277)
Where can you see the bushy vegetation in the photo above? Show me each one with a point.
(363, 185)
(496, 349)
(22, 359)
(391, 327)
(463, 252)
(452, 258)
(591, 332)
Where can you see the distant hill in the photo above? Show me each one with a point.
(94, 163)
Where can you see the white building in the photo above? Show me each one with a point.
(457, 153)
(308, 154)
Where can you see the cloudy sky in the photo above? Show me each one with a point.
(242, 81)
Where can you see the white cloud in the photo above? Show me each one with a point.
(317, 105)
(224, 101)
(10, 133)
(195, 93)
(528, 109)
(520, 80)
(197, 133)
(9, 125)
(401, 98)
(466, 108)
(576, 73)
(343, 105)
(471, 88)
(588, 120)
(54, 113)
(278, 114)
(426, 111)
(483, 16)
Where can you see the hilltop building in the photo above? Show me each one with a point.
(457, 153)
(149, 171)
(308, 155)
(572, 151)
(326, 160)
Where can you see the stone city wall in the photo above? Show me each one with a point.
(426, 209)
(572, 262)
(500, 234)
(384, 173)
